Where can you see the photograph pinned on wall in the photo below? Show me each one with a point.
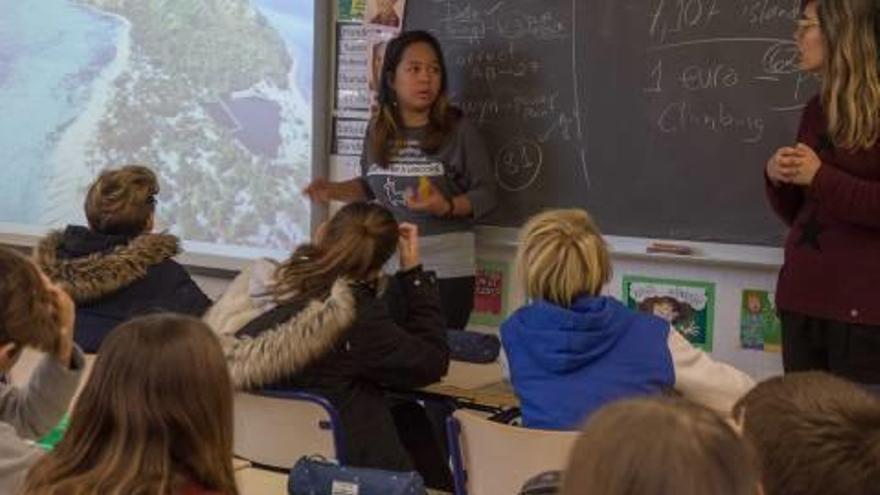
(377, 42)
(387, 14)
(688, 306)
(490, 292)
(760, 328)
(351, 10)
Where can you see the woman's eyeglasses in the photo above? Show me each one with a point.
(804, 24)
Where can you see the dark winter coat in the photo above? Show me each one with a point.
(114, 278)
(348, 349)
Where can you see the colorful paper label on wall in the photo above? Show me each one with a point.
(760, 328)
(351, 10)
(490, 292)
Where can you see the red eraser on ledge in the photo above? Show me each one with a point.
(666, 248)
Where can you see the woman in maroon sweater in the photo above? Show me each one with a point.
(827, 189)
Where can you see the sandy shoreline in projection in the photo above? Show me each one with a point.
(71, 176)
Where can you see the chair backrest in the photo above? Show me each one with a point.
(491, 458)
(276, 428)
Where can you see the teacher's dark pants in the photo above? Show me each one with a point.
(845, 349)
(457, 299)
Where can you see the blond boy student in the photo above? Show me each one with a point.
(571, 350)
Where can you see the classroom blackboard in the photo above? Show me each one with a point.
(657, 116)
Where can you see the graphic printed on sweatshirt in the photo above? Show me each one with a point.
(403, 173)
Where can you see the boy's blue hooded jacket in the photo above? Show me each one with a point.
(566, 363)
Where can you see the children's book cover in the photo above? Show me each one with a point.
(688, 305)
(760, 328)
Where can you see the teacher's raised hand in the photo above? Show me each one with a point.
(318, 190)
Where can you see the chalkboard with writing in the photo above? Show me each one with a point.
(655, 115)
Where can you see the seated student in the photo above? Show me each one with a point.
(660, 446)
(33, 313)
(571, 350)
(317, 323)
(115, 268)
(815, 434)
(155, 417)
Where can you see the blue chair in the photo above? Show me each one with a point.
(274, 428)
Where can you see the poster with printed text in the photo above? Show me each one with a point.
(759, 328)
(490, 292)
(688, 306)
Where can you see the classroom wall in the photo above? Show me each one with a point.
(729, 279)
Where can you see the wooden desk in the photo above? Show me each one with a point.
(480, 384)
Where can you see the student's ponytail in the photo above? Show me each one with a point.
(355, 244)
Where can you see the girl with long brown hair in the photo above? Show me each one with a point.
(426, 163)
(155, 417)
(317, 322)
(826, 188)
(571, 349)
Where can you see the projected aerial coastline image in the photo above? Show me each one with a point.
(215, 95)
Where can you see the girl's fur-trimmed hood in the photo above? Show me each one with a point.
(90, 277)
(289, 347)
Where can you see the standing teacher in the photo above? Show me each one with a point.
(427, 164)
(827, 189)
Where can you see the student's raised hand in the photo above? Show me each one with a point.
(428, 200)
(318, 190)
(65, 318)
(408, 246)
(808, 164)
(781, 167)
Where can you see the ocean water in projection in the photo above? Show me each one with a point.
(215, 95)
